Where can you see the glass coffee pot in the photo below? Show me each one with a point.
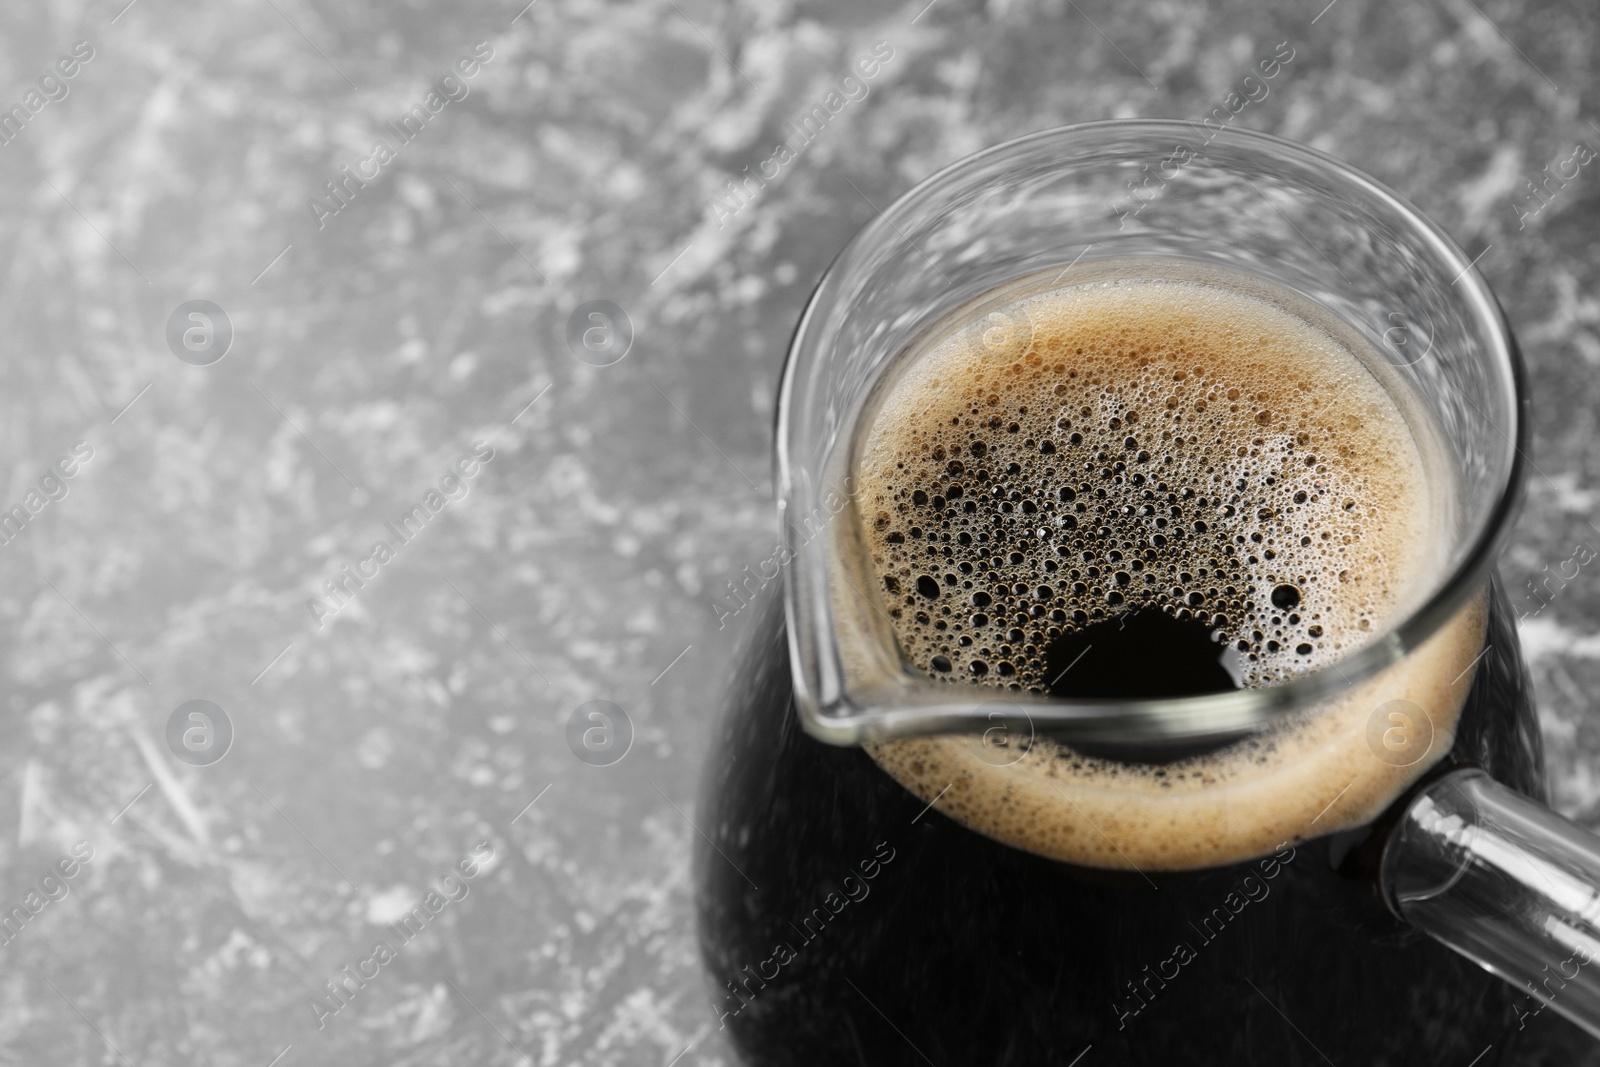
(1422, 914)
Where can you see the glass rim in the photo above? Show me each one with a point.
(831, 714)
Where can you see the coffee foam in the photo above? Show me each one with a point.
(1183, 445)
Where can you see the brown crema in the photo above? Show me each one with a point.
(1188, 446)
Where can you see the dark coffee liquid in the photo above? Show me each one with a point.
(1142, 654)
(960, 950)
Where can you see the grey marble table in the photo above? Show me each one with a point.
(392, 213)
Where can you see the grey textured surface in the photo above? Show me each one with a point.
(374, 347)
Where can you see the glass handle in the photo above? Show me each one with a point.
(1505, 882)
